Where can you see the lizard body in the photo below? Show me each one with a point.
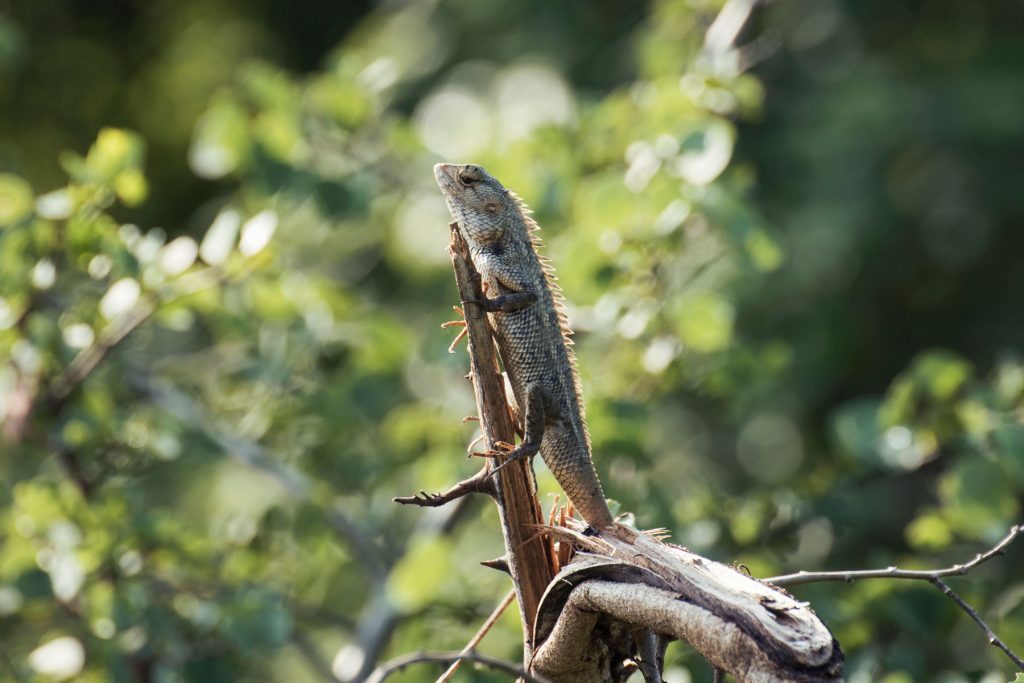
(528, 315)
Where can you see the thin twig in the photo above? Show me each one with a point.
(725, 29)
(993, 639)
(381, 616)
(479, 635)
(307, 648)
(399, 663)
(82, 365)
(933, 576)
(255, 455)
(802, 577)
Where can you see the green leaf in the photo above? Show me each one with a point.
(221, 143)
(114, 151)
(131, 187)
(978, 498)
(706, 321)
(764, 252)
(929, 532)
(16, 200)
(942, 373)
(256, 617)
(415, 581)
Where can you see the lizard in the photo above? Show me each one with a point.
(527, 313)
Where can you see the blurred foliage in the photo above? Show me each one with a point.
(794, 286)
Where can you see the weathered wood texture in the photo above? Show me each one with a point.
(628, 583)
(526, 548)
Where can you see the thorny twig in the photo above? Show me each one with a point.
(933, 576)
(479, 635)
(399, 663)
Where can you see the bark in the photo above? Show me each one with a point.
(755, 632)
(526, 549)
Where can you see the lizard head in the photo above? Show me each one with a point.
(476, 200)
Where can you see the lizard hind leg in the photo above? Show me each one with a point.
(537, 408)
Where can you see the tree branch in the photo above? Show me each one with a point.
(399, 663)
(82, 365)
(481, 482)
(624, 582)
(479, 635)
(993, 639)
(307, 648)
(518, 508)
(255, 455)
(932, 576)
(802, 577)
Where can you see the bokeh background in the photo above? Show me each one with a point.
(795, 262)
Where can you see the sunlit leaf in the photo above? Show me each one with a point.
(705, 321)
(419, 575)
(16, 199)
(929, 532)
(764, 252)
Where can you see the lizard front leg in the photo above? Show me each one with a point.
(504, 303)
(517, 295)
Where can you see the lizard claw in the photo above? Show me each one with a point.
(501, 448)
(459, 337)
(524, 450)
(456, 323)
(422, 499)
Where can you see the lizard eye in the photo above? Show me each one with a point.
(470, 175)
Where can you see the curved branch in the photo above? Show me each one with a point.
(623, 583)
(723, 643)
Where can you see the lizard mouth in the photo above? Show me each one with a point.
(444, 173)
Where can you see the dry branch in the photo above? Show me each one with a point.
(932, 576)
(400, 663)
(627, 583)
(526, 550)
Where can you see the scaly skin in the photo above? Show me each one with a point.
(527, 313)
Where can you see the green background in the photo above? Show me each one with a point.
(794, 267)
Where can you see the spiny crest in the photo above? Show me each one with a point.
(557, 298)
